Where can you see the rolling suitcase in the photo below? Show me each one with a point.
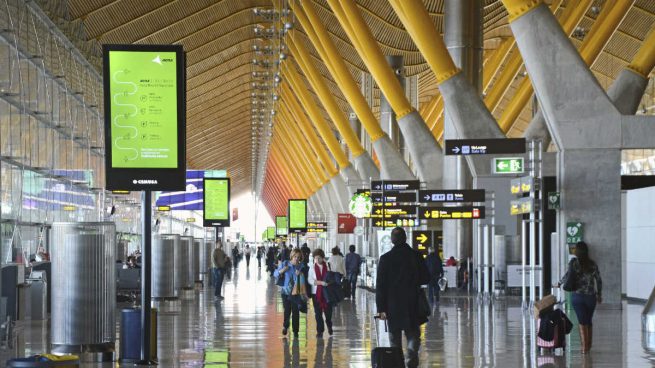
(386, 357)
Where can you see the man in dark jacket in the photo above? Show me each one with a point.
(435, 267)
(401, 272)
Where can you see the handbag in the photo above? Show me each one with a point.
(334, 290)
(570, 279)
(544, 304)
(280, 279)
(424, 310)
(299, 293)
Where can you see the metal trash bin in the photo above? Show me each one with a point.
(184, 279)
(198, 245)
(38, 295)
(84, 289)
(130, 335)
(164, 267)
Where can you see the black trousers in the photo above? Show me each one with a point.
(248, 260)
(292, 312)
(318, 313)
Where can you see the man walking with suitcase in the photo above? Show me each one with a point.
(401, 272)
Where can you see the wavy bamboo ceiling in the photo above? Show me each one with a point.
(218, 37)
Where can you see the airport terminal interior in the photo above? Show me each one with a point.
(165, 163)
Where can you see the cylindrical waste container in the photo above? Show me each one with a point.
(130, 335)
(183, 254)
(206, 260)
(163, 265)
(198, 245)
(83, 288)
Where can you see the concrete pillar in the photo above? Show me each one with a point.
(363, 163)
(586, 127)
(463, 38)
(388, 120)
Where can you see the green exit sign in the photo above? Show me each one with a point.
(507, 165)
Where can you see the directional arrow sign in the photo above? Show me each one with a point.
(395, 185)
(422, 240)
(484, 146)
(440, 196)
(452, 213)
(507, 165)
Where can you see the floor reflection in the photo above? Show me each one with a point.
(244, 330)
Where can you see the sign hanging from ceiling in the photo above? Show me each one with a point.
(270, 233)
(297, 213)
(281, 225)
(465, 147)
(316, 227)
(145, 117)
(216, 199)
(452, 213)
(395, 185)
(443, 196)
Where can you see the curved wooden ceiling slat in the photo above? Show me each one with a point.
(218, 37)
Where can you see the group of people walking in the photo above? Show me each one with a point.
(399, 297)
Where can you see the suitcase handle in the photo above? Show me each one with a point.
(386, 328)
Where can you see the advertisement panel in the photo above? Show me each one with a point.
(216, 198)
(145, 116)
(346, 223)
(281, 225)
(297, 213)
(270, 233)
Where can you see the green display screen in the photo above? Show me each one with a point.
(270, 233)
(281, 225)
(143, 97)
(217, 200)
(297, 215)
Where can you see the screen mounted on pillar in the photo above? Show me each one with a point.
(145, 117)
(281, 225)
(216, 198)
(297, 214)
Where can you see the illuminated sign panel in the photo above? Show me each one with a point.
(281, 225)
(452, 213)
(145, 107)
(216, 198)
(316, 227)
(297, 213)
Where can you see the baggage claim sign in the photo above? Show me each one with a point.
(145, 117)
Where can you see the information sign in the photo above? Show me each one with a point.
(316, 227)
(391, 211)
(554, 201)
(401, 222)
(574, 232)
(191, 219)
(216, 198)
(422, 239)
(394, 196)
(281, 226)
(493, 146)
(521, 206)
(443, 196)
(525, 184)
(145, 117)
(452, 213)
(297, 213)
(163, 208)
(507, 165)
(378, 185)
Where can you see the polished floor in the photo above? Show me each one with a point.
(244, 330)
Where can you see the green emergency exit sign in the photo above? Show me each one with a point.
(507, 165)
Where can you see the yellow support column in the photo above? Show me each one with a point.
(293, 107)
(391, 161)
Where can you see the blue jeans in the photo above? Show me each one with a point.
(413, 337)
(352, 278)
(584, 306)
(218, 274)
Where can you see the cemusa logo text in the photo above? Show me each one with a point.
(145, 181)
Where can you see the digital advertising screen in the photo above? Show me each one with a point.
(145, 116)
(297, 213)
(216, 198)
(270, 233)
(281, 225)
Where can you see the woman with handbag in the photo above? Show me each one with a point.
(287, 273)
(583, 279)
(322, 307)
